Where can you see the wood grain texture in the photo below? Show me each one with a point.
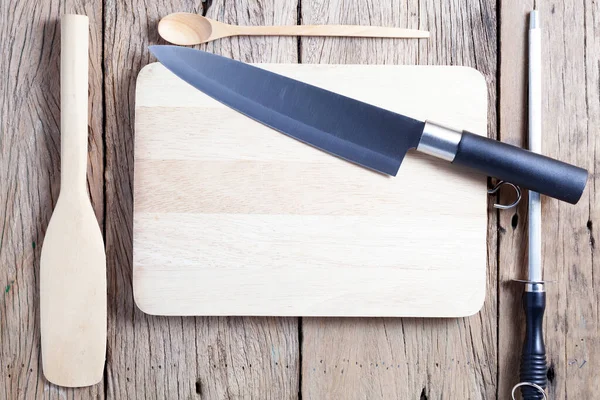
(156, 358)
(571, 111)
(30, 177)
(214, 361)
(423, 358)
(232, 206)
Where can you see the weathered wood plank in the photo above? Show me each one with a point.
(571, 110)
(30, 177)
(407, 358)
(153, 357)
(512, 230)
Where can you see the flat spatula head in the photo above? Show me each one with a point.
(73, 294)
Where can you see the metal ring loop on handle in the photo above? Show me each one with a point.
(495, 189)
(533, 385)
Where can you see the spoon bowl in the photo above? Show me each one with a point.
(189, 29)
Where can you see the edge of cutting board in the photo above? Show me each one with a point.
(472, 306)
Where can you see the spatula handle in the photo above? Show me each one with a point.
(74, 101)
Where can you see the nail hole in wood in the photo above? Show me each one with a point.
(514, 222)
(550, 374)
(205, 6)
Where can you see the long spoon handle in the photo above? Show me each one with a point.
(331, 30)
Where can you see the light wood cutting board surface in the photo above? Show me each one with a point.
(233, 218)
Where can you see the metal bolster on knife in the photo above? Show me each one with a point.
(439, 141)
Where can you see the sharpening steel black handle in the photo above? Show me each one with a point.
(533, 357)
(521, 167)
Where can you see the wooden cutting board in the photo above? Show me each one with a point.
(233, 218)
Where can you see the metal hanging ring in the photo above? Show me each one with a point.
(533, 385)
(495, 189)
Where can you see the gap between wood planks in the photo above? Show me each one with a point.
(104, 162)
(300, 332)
(498, 227)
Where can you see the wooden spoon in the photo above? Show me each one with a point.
(73, 262)
(190, 29)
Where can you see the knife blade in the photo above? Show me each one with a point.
(359, 132)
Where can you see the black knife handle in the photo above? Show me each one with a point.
(533, 357)
(521, 167)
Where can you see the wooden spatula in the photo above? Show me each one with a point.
(73, 262)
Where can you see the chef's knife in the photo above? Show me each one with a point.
(359, 132)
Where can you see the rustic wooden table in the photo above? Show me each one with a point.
(310, 358)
